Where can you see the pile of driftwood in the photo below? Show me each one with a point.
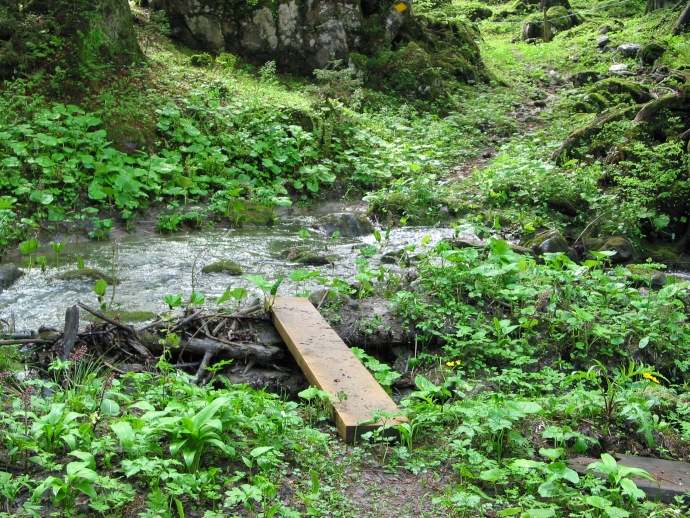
(192, 342)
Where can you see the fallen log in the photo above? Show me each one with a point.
(262, 354)
(259, 353)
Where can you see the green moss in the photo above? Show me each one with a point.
(622, 89)
(651, 52)
(558, 18)
(225, 266)
(201, 60)
(303, 255)
(127, 316)
(598, 100)
(88, 274)
(256, 213)
(433, 56)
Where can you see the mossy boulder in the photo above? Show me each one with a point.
(346, 224)
(425, 67)
(560, 19)
(597, 100)
(523, 250)
(533, 29)
(249, 212)
(201, 60)
(650, 52)
(225, 266)
(623, 89)
(624, 251)
(476, 11)
(582, 78)
(9, 274)
(303, 255)
(79, 38)
(88, 274)
(550, 242)
(645, 277)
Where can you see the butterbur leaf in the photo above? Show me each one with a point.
(549, 489)
(540, 513)
(100, 287)
(563, 472)
(110, 407)
(230, 292)
(197, 298)
(551, 453)
(423, 384)
(630, 488)
(274, 286)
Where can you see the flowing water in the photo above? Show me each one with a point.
(151, 265)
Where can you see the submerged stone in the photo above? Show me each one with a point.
(88, 274)
(346, 224)
(9, 274)
(624, 251)
(224, 266)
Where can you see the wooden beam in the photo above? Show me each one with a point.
(330, 365)
(672, 477)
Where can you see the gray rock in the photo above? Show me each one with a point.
(551, 242)
(554, 78)
(658, 280)
(624, 251)
(620, 69)
(532, 30)
(9, 274)
(602, 41)
(299, 36)
(582, 78)
(629, 50)
(347, 224)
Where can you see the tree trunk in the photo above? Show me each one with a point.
(653, 5)
(683, 23)
(92, 33)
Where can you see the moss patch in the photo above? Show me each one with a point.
(124, 316)
(88, 274)
(225, 266)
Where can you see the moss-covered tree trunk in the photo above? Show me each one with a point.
(75, 37)
(683, 23)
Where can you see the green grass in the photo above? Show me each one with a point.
(519, 365)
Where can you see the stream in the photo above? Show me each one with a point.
(150, 265)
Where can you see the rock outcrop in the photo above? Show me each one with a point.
(298, 35)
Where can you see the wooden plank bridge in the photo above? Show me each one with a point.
(330, 365)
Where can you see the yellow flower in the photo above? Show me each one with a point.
(455, 363)
(649, 377)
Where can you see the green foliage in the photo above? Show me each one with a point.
(382, 372)
(623, 397)
(591, 313)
